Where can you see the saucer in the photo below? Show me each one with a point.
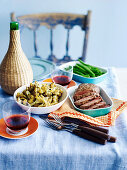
(32, 127)
(72, 82)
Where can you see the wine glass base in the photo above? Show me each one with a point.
(16, 133)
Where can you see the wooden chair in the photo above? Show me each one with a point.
(50, 20)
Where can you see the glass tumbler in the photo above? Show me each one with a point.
(62, 76)
(15, 117)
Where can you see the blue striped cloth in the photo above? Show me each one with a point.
(48, 149)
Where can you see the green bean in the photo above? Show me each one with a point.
(81, 74)
(95, 70)
(87, 69)
(79, 68)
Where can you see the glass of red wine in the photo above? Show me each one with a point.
(62, 76)
(16, 118)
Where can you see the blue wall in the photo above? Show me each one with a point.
(108, 35)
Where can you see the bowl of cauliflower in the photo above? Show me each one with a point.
(43, 97)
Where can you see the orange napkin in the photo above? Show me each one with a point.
(108, 120)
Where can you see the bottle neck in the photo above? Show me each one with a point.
(14, 40)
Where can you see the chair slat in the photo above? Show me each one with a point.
(52, 56)
(50, 20)
(67, 42)
(51, 41)
(86, 26)
(35, 43)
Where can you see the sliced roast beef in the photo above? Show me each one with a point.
(101, 104)
(88, 86)
(87, 96)
(85, 90)
(77, 96)
(84, 100)
(91, 103)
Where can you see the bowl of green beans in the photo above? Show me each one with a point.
(85, 73)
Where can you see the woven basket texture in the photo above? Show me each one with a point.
(15, 69)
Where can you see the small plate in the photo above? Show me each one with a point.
(32, 127)
(93, 112)
(81, 79)
(41, 68)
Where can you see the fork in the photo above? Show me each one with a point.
(59, 120)
(78, 132)
(57, 126)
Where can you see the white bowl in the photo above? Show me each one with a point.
(43, 110)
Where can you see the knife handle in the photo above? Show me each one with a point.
(100, 129)
(89, 137)
(94, 132)
(112, 139)
(83, 123)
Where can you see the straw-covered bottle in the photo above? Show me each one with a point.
(15, 69)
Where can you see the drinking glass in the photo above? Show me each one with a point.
(15, 118)
(62, 76)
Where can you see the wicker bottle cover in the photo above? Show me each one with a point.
(15, 69)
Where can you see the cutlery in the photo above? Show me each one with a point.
(74, 130)
(87, 130)
(98, 132)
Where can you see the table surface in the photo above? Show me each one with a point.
(48, 149)
(122, 80)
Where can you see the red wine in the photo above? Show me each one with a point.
(63, 80)
(17, 122)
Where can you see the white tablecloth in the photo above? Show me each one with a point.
(48, 149)
(122, 82)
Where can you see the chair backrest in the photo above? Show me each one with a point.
(50, 20)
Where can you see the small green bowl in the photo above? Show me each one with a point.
(93, 112)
